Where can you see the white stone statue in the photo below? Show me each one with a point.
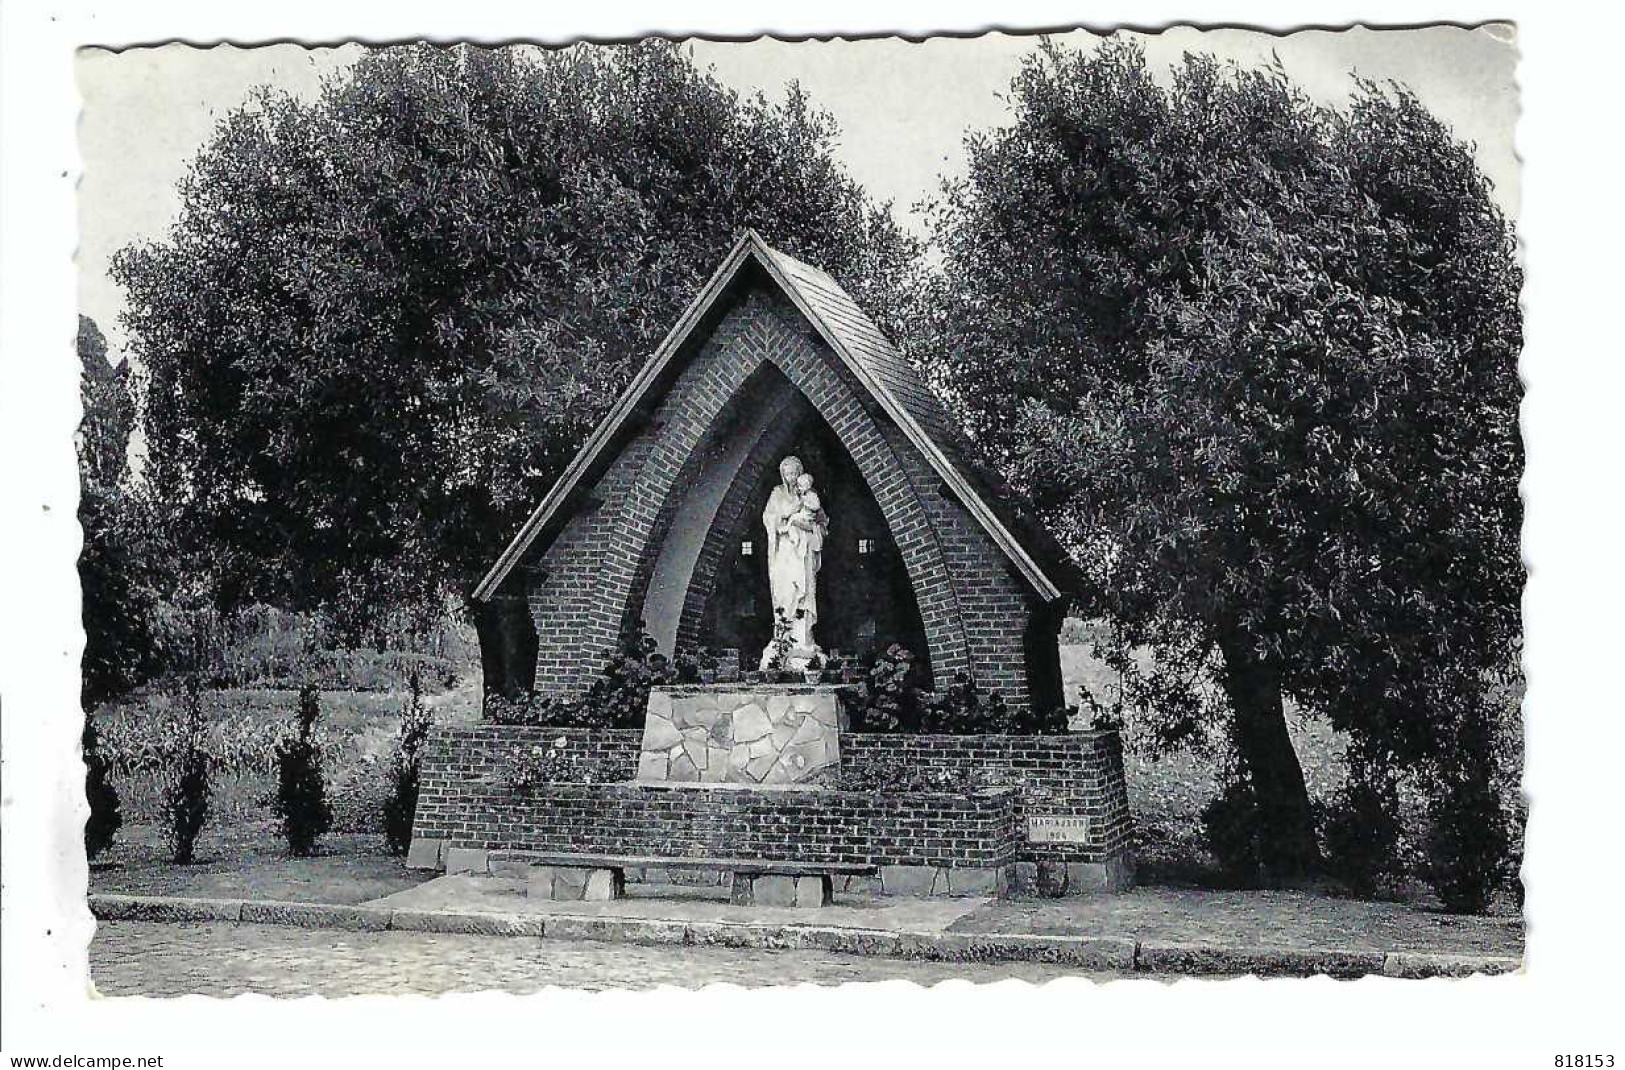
(796, 525)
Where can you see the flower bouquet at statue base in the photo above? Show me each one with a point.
(782, 654)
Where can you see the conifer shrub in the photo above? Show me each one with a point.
(301, 805)
(105, 816)
(402, 801)
(184, 806)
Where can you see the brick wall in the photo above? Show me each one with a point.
(717, 822)
(994, 603)
(464, 800)
(1078, 775)
(588, 585)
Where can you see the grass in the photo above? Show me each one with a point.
(247, 860)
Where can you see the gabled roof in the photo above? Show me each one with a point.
(878, 366)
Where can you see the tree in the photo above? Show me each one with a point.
(122, 648)
(109, 412)
(1255, 360)
(384, 320)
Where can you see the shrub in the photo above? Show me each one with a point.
(1231, 828)
(185, 802)
(965, 709)
(620, 695)
(617, 699)
(358, 792)
(1469, 840)
(887, 699)
(1054, 721)
(301, 793)
(1361, 831)
(105, 818)
(524, 710)
(402, 801)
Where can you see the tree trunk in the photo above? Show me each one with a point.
(507, 638)
(1268, 760)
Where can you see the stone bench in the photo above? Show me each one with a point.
(762, 882)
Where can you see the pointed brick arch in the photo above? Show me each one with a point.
(728, 525)
(640, 490)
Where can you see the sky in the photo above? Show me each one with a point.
(903, 107)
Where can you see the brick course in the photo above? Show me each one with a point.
(734, 823)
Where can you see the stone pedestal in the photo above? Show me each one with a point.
(747, 735)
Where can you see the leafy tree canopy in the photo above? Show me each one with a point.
(385, 319)
(1256, 360)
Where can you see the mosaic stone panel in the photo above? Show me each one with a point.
(758, 735)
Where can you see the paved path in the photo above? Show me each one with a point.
(222, 959)
(463, 892)
(1252, 919)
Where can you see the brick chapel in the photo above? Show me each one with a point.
(657, 519)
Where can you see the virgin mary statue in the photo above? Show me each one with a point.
(796, 525)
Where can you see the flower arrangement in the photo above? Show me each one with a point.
(897, 778)
(696, 666)
(555, 763)
(781, 644)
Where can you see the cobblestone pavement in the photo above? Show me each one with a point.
(130, 958)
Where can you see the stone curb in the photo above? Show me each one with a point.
(318, 915)
(164, 908)
(1415, 965)
(1120, 954)
(1196, 960)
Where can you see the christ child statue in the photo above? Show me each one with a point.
(809, 521)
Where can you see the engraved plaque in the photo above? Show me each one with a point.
(1053, 828)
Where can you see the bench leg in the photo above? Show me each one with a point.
(781, 890)
(815, 891)
(573, 883)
